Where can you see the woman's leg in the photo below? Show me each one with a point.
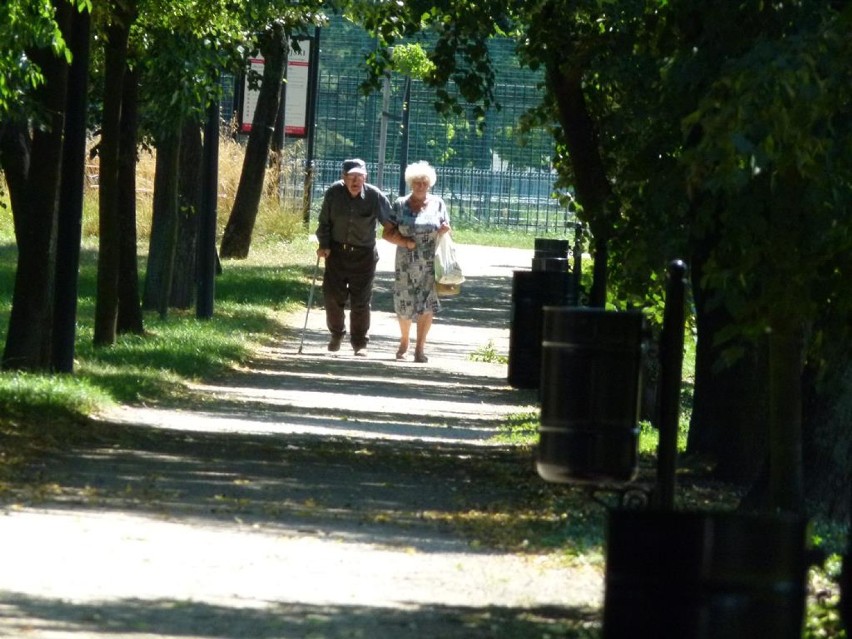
(404, 330)
(424, 323)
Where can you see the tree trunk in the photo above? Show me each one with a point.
(730, 403)
(590, 179)
(786, 364)
(161, 248)
(827, 445)
(236, 239)
(189, 194)
(129, 318)
(70, 216)
(15, 158)
(34, 190)
(109, 228)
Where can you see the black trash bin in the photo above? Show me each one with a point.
(548, 252)
(591, 365)
(707, 575)
(550, 247)
(551, 263)
(531, 292)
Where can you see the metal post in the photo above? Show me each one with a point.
(313, 92)
(383, 130)
(671, 369)
(403, 158)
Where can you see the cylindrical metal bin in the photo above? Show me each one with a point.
(591, 366)
(550, 263)
(531, 291)
(549, 247)
(708, 575)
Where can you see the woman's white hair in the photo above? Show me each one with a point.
(419, 170)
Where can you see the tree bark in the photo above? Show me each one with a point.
(15, 158)
(34, 183)
(590, 179)
(161, 249)
(730, 403)
(786, 364)
(70, 216)
(129, 319)
(109, 227)
(189, 195)
(236, 239)
(827, 437)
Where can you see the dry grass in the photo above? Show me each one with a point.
(277, 218)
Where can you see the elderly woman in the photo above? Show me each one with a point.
(417, 219)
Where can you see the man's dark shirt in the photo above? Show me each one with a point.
(344, 219)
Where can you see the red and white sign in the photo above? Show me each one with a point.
(296, 95)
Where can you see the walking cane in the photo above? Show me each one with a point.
(310, 303)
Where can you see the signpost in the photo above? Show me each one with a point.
(296, 95)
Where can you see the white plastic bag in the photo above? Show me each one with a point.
(447, 268)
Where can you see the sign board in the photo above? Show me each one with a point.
(296, 94)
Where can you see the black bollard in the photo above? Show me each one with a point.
(671, 374)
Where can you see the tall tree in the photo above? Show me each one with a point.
(70, 222)
(183, 54)
(116, 41)
(282, 23)
(31, 151)
(129, 318)
(236, 239)
(716, 129)
(184, 275)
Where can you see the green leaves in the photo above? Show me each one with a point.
(25, 25)
(411, 60)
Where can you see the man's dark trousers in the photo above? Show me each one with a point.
(349, 274)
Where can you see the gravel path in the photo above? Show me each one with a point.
(306, 496)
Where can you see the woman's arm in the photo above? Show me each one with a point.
(390, 232)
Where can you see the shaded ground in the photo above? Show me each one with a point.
(310, 495)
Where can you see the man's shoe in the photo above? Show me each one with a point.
(361, 351)
(334, 343)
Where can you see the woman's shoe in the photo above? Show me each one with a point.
(420, 357)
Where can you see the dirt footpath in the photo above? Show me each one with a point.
(309, 495)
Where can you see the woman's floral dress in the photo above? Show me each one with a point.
(414, 287)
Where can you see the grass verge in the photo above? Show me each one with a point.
(38, 411)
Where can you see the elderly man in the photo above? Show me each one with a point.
(346, 232)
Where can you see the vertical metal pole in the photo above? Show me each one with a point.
(313, 93)
(403, 158)
(671, 369)
(207, 221)
(383, 130)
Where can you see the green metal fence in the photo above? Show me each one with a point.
(516, 200)
(489, 176)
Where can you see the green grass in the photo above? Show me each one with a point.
(489, 354)
(251, 297)
(493, 237)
